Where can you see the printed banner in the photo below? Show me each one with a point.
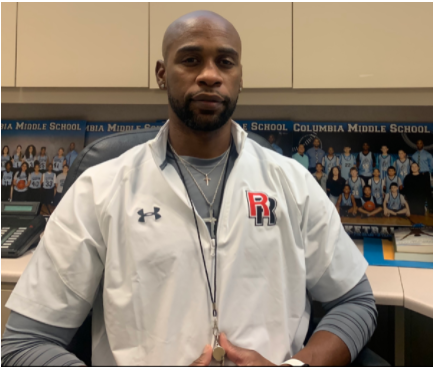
(36, 156)
(98, 130)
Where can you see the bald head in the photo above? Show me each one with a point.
(195, 23)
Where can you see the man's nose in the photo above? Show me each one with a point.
(210, 75)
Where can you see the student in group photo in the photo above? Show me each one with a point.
(48, 185)
(329, 161)
(423, 158)
(376, 185)
(315, 154)
(395, 203)
(58, 161)
(21, 183)
(320, 176)
(301, 157)
(346, 162)
(384, 161)
(356, 183)
(335, 184)
(417, 191)
(346, 204)
(35, 183)
(402, 165)
(391, 178)
(365, 162)
(43, 160)
(60, 182)
(367, 205)
(72, 155)
(5, 156)
(17, 159)
(29, 156)
(7, 178)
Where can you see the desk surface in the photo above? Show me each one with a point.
(409, 287)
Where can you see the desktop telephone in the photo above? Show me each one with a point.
(21, 227)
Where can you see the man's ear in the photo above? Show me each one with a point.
(160, 74)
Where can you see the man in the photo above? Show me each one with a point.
(329, 161)
(272, 140)
(71, 156)
(142, 247)
(422, 158)
(367, 197)
(346, 162)
(365, 163)
(315, 154)
(301, 157)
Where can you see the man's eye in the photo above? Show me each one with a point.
(190, 60)
(227, 62)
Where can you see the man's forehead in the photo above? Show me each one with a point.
(194, 29)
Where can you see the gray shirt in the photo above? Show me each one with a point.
(352, 317)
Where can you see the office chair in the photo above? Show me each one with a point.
(110, 147)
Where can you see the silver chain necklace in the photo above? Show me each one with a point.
(211, 219)
(207, 179)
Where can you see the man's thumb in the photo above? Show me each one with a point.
(205, 358)
(233, 353)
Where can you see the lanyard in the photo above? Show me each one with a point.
(213, 297)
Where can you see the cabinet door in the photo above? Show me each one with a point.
(266, 35)
(82, 45)
(9, 33)
(363, 45)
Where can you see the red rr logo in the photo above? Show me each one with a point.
(262, 206)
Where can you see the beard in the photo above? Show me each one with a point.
(204, 122)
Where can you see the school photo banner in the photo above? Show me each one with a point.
(379, 156)
(98, 130)
(36, 156)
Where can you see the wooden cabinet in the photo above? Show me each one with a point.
(9, 33)
(265, 30)
(82, 45)
(363, 45)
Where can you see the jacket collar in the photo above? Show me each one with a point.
(159, 143)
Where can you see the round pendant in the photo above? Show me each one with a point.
(218, 353)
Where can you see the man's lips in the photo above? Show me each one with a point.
(207, 101)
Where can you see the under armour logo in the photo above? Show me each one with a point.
(143, 215)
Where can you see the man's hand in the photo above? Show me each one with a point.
(241, 356)
(204, 359)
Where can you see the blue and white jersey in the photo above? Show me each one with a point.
(58, 163)
(395, 203)
(49, 180)
(42, 162)
(346, 202)
(21, 177)
(347, 162)
(328, 163)
(377, 190)
(35, 180)
(30, 161)
(4, 160)
(7, 178)
(402, 168)
(356, 186)
(17, 162)
(384, 163)
(366, 164)
(388, 181)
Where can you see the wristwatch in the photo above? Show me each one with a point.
(295, 363)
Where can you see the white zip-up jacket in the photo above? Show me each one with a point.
(279, 236)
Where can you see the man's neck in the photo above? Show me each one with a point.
(189, 142)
